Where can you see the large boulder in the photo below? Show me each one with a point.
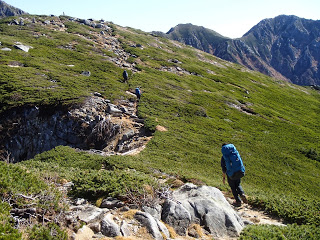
(208, 207)
(177, 216)
(109, 227)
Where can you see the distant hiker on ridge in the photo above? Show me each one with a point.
(232, 166)
(138, 92)
(125, 76)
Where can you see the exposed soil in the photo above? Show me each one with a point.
(255, 215)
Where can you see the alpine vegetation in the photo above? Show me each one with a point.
(81, 149)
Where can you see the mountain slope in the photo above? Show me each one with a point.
(285, 47)
(7, 10)
(202, 101)
(196, 36)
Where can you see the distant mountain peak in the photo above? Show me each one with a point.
(286, 47)
(7, 10)
(196, 36)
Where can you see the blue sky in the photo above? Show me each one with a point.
(231, 18)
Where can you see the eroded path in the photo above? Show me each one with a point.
(254, 215)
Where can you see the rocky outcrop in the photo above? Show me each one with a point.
(207, 207)
(99, 125)
(7, 10)
(190, 205)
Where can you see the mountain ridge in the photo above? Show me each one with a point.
(285, 47)
(7, 10)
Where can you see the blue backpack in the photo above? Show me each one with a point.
(234, 164)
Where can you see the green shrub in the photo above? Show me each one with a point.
(311, 153)
(293, 209)
(65, 156)
(150, 124)
(48, 232)
(14, 179)
(290, 232)
(95, 184)
(7, 230)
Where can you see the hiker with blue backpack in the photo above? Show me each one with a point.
(138, 92)
(232, 166)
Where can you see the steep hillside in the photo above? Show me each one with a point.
(196, 36)
(53, 68)
(285, 47)
(7, 10)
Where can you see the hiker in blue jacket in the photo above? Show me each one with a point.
(232, 166)
(138, 92)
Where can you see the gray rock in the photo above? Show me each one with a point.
(15, 21)
(155, 211)
(108, 227)
(91, 214)
(247, 222)
(112, 109)
(127, 135)
(177, 216)
(208, 207)
(97, 94)
(86, 22)
(124, 228)
(123, 109)
(150, 223)
(22, 47)
(95, 227)
(86, 73)
(111, 203)
(80, 201)
(163, 229)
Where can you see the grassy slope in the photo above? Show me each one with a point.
(194, 108)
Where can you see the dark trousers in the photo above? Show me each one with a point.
(236, 189)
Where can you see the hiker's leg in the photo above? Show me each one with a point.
(241, 192)
(239, 187)
(234, 188)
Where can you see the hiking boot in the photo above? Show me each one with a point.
(244, 198)
(236, 204)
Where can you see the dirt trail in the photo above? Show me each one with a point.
(255, 216)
